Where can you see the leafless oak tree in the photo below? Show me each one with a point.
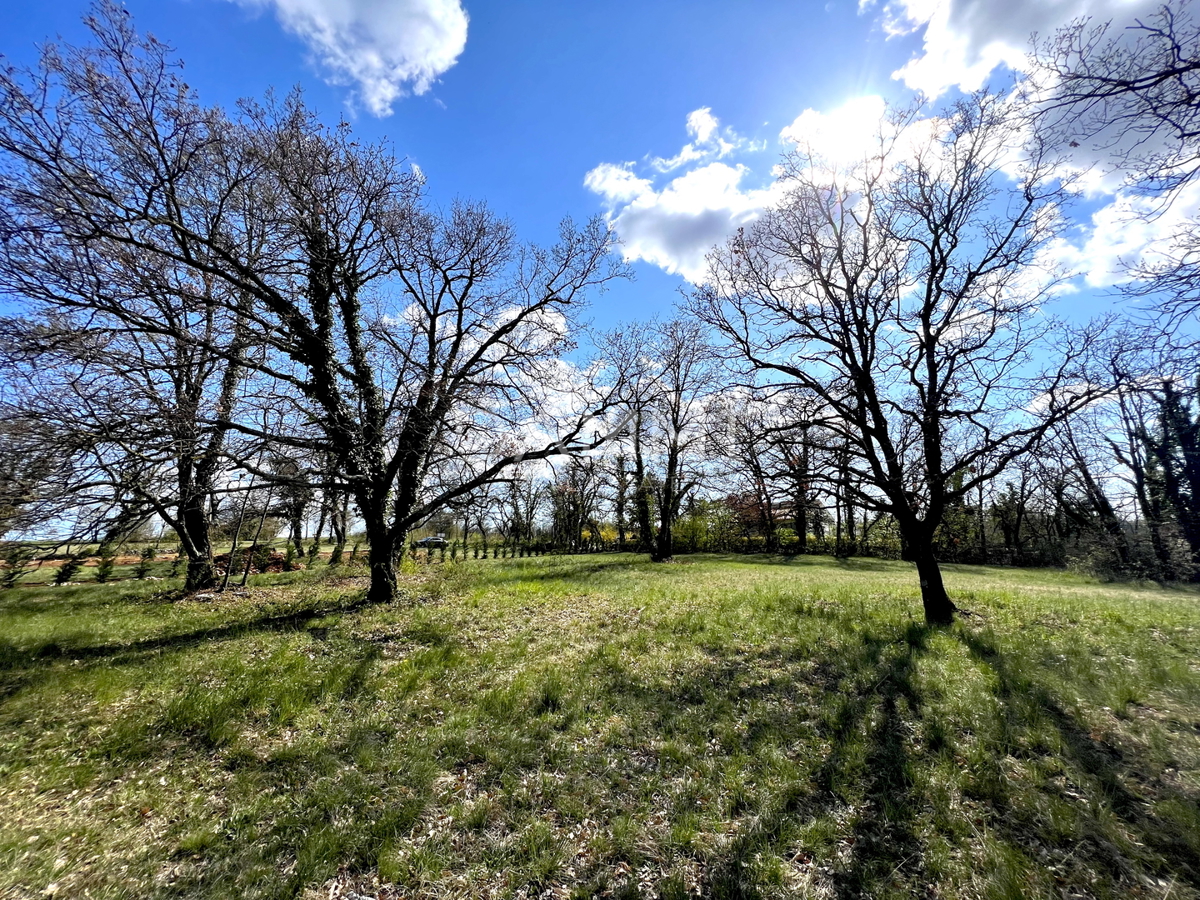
(905, 293)
(398, 338)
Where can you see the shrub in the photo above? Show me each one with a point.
(16, 557)
(68, 570)
(108, 559)
(262, 556)
(143, 567)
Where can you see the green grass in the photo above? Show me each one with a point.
(577, 726)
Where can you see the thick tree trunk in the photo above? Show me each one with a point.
(200, 574)
(664, 548)
(939, 609)
(641, 494)
(384, 549)
(195, 541)
(384, 583)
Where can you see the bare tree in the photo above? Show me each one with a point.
(905, 293)
(403, 338)
(741, 436)
(135, 350)
(574, 496)
(1130, 92)
(670, 376)
(127, 413)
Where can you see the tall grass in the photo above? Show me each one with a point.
(579, 726)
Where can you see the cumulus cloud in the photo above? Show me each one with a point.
(674, 226)
(857, 131)
(1128, 234)
(383, 48)
(709, 141)
(673, 222)
(964, 41)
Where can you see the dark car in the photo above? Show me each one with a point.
(434, 542)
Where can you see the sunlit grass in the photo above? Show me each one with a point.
(723, 727)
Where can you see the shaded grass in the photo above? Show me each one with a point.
(599, 725)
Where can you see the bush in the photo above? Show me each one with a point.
(262, 556)
(143, 567)
(108, 559)
(68, 570)
(16, 557)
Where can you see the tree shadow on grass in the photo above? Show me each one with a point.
(885, 849)
(294, 810)
(1165, 849)
(22, 666)
(868, 764)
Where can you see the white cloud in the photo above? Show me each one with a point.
(709, 141)
(616, 183)
(702, 124)
(845, 135)
(1130, 232)
(964, 41)
(381, 47)
(674, 227)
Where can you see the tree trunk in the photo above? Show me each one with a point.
(641, 495)
(298, 535)
(196, 544)
(200, 574)
(664, 548)
(939, 609)
(1152, 511)
(384, 583)
(384, 546)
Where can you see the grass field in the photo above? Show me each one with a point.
(598, 725)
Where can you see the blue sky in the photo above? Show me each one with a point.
(665, 116)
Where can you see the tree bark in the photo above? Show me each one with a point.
(193, 531)
(641, 496)
(664, 547)
(939, 608)
(382, 562)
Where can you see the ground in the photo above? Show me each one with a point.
(598, 725)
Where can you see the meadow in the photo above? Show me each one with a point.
(579, 726)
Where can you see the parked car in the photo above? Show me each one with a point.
(435, 542)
